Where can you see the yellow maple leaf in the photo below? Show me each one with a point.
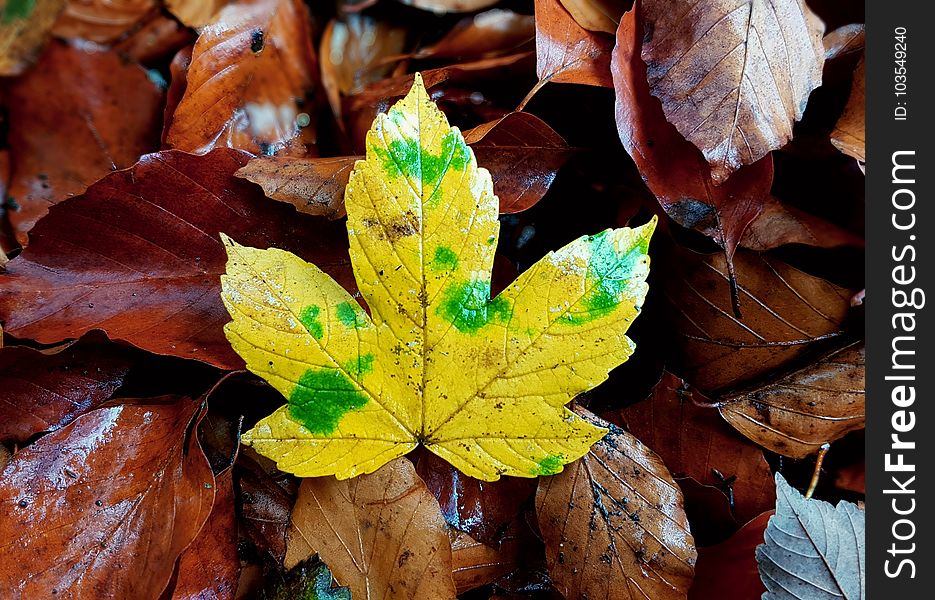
(481, 382)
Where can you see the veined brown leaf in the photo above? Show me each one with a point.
(848, 135)
(567, 53)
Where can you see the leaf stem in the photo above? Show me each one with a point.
(818, 461)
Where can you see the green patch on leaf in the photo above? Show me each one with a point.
(407, 157)
(445, 259)
(550, 465)
(323, 396)
(361, 366)
(309, 318)
(17, 9)
(467, 306)
(350, 315)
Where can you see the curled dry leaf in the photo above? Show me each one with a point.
(675, 171)
(845, 40)
(46, 390)
(149, 272)
(474, 564)
(614, 521)
(195, 13)
(733, 75)
(783, 312)
(597, 15)
(494, 32)
(382, 534)
(210, 568)
(728, 571)
(482, 509)
(80, 114)
(813, 551)
(567, 53)
(155, 41)
(799, 412)
(105, 506)
(24, 29)
(694, 441)
(353, 53)
(779, 223)
(101, 21)
(522, 153)
(266, 506)
(450, 6)
(848, 135)
(250, 82)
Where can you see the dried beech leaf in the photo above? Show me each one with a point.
(695, 442)
(844, 40)
(382, 534)
(81, 113)
(778, 224)
(104, 507)
(139, 256)
(450, 6)
(101, 21)
(728, 571)
(675, 170)
(474, 564)
(24, 28)
(266, 507)
(155, 41)
(482, 509)
(210, 568)
(597, 15)
(567, 53)
(813, 551)
(251, 72)
(494, 32)
(783, 312)
(614, 521)
(195, 13)
(314, 186)
(733, 75)
(46, 390)
(848, 135)
(796, 414)
(481, 381)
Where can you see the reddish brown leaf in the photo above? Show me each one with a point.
(784, 311)
(139, 256)
(80, 114)
(315, 186)
(597, 15)
(210, 568)
(104, 507)
(481, 509)
(381, 534)
(778, 224)
(709, 512)
(195, 13)
(675, 171)
(494, 32)
(848, 135)
(474, 564)
(733, 75)
(567, 53)
(795, 414)
(614, 521)
(250, 75)
(157, 39)
(266, 506)
(694, 441)
(46, 390)
(728, 571)
(101, 20)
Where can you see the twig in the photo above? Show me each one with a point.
(820, 459)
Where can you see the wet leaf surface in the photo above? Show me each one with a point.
(728, 570)
(567, 53)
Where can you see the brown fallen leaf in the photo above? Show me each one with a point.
(250, 84)
(567, 53)
(779, 223)
(482, 509)
(848, 135)
(799, 412)
(614, 521)
(474, 564)
(105, 506)
(210, 568)
(450, 6)
(494, 32)
(149, 272)
(80, 114)
(195, 13)
(266, 506)
(353, 53)
(733, 75)
(845, 40)
(46, 390)
(24, 29)
(381, 534)
(728, 570)
(597, 15)
(694, 441)
(102, 21)
(155, 41)
(522, 153)
(783, 312)
(675, 171)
